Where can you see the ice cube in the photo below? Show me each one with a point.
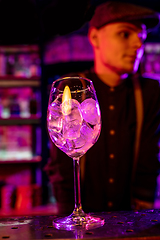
(57, 138)
(69, 145)
(55, 106)
(90, 111)
(73, 121)
(71, 129)
(79, 142)
(54, 122)
(85, 141)
(87, 131)
(55, 116)
(91, 134)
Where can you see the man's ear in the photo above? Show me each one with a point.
(93, 37)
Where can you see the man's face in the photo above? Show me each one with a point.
(120, 46)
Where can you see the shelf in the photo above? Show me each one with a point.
(12, 81)
(19, 121)
(19, 48)
(152, 76)
(35, 159)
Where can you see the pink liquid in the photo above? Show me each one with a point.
(72, 133)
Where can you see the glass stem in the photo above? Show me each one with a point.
(77, 189)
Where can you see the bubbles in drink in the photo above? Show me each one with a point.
(90, 111)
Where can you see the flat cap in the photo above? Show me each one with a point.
(114, 11)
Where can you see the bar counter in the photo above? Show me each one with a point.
(123, 225)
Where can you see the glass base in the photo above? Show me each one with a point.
(72, 222)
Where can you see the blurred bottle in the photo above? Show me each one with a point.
(14, 107)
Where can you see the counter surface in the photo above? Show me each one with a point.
(133, 225)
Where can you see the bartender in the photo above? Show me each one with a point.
(120, 171)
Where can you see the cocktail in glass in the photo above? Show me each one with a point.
(74, 125)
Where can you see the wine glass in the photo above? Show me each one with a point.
(74, 124)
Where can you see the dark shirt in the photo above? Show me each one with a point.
(108, 165)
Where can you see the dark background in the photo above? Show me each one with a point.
(31, 21)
